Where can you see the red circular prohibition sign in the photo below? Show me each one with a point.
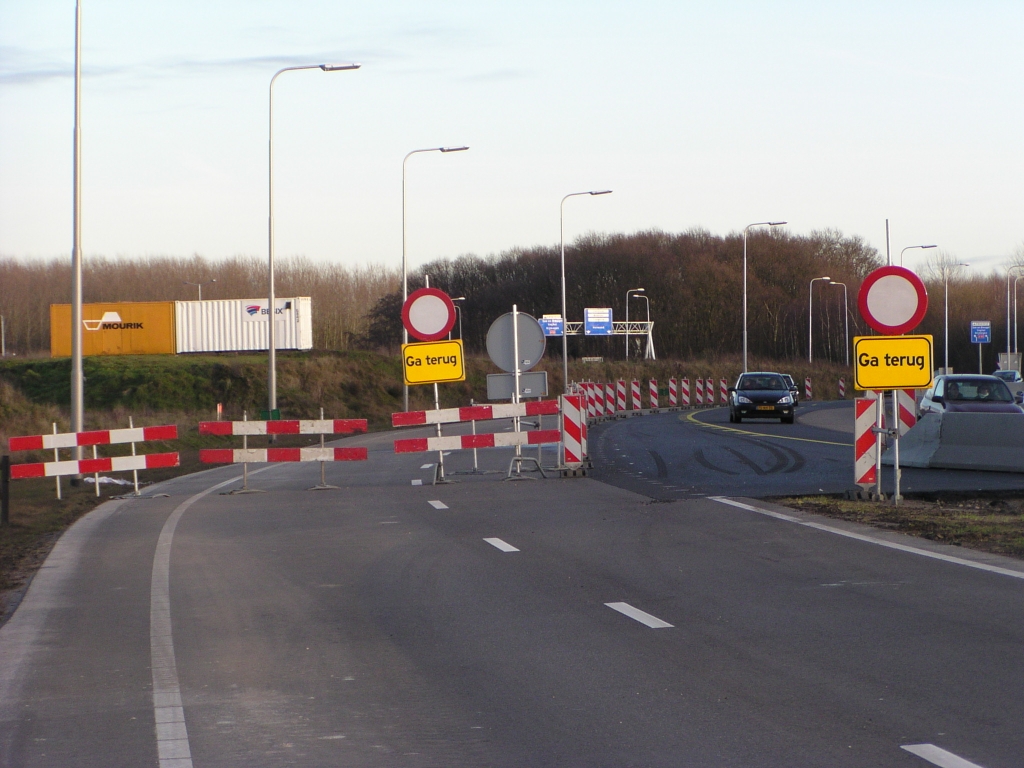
(892, 300)
(428, 314)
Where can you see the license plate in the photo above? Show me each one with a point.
(766, 407)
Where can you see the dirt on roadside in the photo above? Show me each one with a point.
(988, 522)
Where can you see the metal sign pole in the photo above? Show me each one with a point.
(135, 472)
(56, 457)
(879, 419)
(896, 446)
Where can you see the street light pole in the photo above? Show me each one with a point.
(637, 291)
(846, 320)
(810, 317)
(745, 229)
(1008, 271)
(565, 319)
(945, 310)
(405, 263)
(77, 377)
(271, 340)
(200, 286)
(1016, 280)
(911, 247)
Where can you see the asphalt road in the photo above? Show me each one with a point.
(389, 624)
(699, 453)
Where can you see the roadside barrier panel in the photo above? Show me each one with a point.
(591, 402)
(864, 453)
(709, 392)
(474, 413)
(654, 393)
(842, 389)
(285, 427)
(635, 389)
(807, 389)
(574, 431)
(983, 441)
(599, 399)
(490, 440)
(699, 383)
(684, 392)
(723, 391)
(609, 398)
(96, 464)
(271, 455)
(673, 393)
(907, 399)
(620, 395)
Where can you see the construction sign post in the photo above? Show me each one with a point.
(433, 362)
(892, 362)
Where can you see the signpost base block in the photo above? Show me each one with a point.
(517, 462)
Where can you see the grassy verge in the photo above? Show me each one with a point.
(988, 522)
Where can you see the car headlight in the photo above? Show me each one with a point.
(742, 399)
(787, 400)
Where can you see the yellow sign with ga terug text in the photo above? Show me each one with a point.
(433, 362)
(892, 362)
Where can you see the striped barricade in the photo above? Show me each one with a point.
(709, 392)
(842, 388)
(865, 442)
(907, 399)
(476, 413)
(653, 390)
(609, 397)
(271, 455)
(96, 464)
(635, 391)
(673, 393)
(808, 392)
(620, 395)
(284, 427)
(489, 440)
(723, 391)
(574, 431)
(599, 399)
(699, 393)
(684, 392)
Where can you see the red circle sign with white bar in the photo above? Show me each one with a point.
(428, 314)
(892, 300)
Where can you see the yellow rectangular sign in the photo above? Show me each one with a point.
(892, 362)
(433, 362)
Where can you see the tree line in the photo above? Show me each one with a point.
(693, 281)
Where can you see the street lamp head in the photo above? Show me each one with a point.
(826, 279)
(459, 298)
(339, 67)
(601, 192)
(453, 149)
(776, 223)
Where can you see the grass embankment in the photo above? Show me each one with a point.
(184, 390)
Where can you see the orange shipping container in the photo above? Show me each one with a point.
(126, 328)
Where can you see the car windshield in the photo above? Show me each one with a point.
(769, 382)
(978, 390)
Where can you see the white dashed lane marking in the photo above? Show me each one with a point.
(437, 504)
(637, 615)
(417, 481)
(938, 756)
(504, 546)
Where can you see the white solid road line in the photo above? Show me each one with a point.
(504, 546)
(871, 539)
(635, 613)
(937, 756)
(437, 504)
(172, 745)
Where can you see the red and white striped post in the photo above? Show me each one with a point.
(654, 393)
(635, 390)
(808, 394)
(842, 388)
(699, 384)
(620, 395)
(609, 397)
(709, 392)
(599, 398)
(907, 409)
(684, 392)
(591, 400)
(865, 443)
(574, 431)
(673, 393)
(723, 391)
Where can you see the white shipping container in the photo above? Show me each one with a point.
(240, 325)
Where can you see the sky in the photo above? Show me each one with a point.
(696, 114)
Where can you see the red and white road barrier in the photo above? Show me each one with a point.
(92, 466)
(654, 393)
(673, 393)
(709, 392)
(283, 427)
(272, 455)
(620, 395)
(602, 404)
(100, 437)
(591, 400)
(842, 389)
(574, 430)
(699, 383)
(491, 440)
(684, 392)
(473, 413)
(907, 399)
(635, 390)
(609, 398)
(808, 394)
(723, 391)
(864, 450)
